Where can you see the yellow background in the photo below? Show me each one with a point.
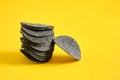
(95, 24)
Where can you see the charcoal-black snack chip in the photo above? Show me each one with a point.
(37, 33)
(69, 45)
(38, 40)
(36, 26)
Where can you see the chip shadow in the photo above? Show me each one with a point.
(61, 58)
(14, 58)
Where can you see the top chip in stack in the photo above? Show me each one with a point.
(37, 41)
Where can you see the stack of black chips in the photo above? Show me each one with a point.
(37, 41)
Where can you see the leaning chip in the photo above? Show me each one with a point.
(69, 45)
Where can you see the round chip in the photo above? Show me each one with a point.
(29, 56)
(26, 41)
(34, 55)
(37, 55)
(36, 51)
(36, 26)
(38, 39)
(37, 33)
(40, 45)
(69, 45)
(45, 47)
